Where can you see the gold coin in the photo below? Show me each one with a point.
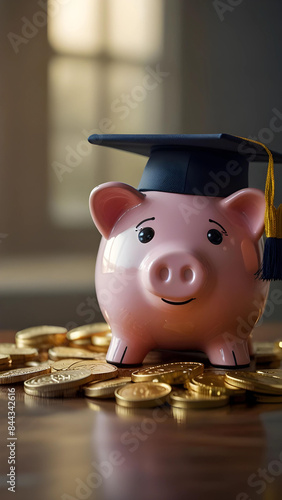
(102, 339)
(277, 373)
(265, 352)
(142, 395)
(18, 353)
(65, 364)
(86, 331)
(105, 389)
(57, 383)
(42, 337)
(56, 393)
(80, 343)
(213, 384)
(33, 363)
(192, 400)
(21, 374)
(255, 382)
(61, 352)
(97, 348)
(5, 362)
(4, 359)
(170, 373)
(99, 369)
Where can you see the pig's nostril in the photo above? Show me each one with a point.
(188, 274)
(164, 274)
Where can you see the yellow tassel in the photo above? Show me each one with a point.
(273, 216)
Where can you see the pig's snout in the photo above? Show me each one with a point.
(175, 276)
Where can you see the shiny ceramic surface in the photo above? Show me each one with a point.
(178, 271)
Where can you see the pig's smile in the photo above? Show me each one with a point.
(178, 303)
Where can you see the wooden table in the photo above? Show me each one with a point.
(80, 448)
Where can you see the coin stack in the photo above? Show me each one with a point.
(18, 355)
(5, 361)
(96, 334)
(41, 337)
(53, 362)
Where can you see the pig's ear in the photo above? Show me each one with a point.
(109, 201)
(247, 206)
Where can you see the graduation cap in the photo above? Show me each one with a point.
(190, 164)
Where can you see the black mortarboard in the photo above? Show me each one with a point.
(208, 165)
(191, 164)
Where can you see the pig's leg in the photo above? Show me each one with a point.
(127, 351)
(228, 350)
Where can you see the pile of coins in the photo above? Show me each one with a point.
(53, 362)
(5, 361)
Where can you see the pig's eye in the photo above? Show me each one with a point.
(145, 235)
(214, 236)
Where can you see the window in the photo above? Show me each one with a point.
(105, 52)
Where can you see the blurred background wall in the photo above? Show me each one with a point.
(70, 68)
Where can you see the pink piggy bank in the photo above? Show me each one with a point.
(171, 276)
(178, 271)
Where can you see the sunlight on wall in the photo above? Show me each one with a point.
(74, 86)
(77, 28)
(135, 29)
(124, 28)
(95, 81)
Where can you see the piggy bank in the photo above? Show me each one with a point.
(178, 271)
